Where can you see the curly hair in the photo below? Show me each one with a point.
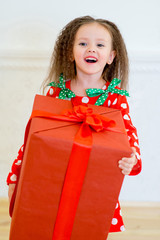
(62, 56)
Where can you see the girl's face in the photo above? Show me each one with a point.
(92, 49)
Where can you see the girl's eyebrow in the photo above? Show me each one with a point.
(82, 38)
(102, 39)
(98, 39)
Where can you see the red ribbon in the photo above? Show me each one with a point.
(78, 162)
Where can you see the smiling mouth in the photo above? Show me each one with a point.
(91, 60)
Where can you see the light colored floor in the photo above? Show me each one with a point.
(142, 221)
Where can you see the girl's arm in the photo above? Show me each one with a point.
(16, 167)
(132, 165)
(132, 137)
(14, 174)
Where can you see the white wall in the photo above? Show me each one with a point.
(28, 30)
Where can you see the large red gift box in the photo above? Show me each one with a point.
(68, 190)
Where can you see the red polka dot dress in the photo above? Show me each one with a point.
(114, 101)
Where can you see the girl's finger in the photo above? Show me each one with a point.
(127, 160)
(124, 165)
(126, 171)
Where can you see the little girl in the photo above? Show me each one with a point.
(91, 54)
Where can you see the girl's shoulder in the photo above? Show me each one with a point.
(55, 88)
(53, 91)
(117, 98)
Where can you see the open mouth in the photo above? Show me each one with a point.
(91, 59)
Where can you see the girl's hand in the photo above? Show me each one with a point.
(126, 164)
(11, 190)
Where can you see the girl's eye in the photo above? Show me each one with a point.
(83, 44)
(100, 45)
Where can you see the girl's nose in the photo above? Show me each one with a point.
(91, 50)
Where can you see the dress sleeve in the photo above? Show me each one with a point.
(16, 167)
(120, 102)
(131, 132)
(50, 91)
(53, 92)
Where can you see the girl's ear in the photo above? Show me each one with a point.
(111, 57)
(71, 58)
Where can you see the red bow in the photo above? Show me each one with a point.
(85, 114)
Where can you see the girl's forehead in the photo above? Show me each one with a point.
(93, 29)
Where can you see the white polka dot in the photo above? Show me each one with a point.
(114, 221)
(22, 149)
(120, 212)
(124, 105)
(18, 162)
(138, 156)
(115, 101)
(134, 135)
(13, 177)
(136, 144)
(51, 91)
(117, 205)
(109, 103)
(85, 99)
(122, 228)
(129, 137)
(104, 87)
(126, 117)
